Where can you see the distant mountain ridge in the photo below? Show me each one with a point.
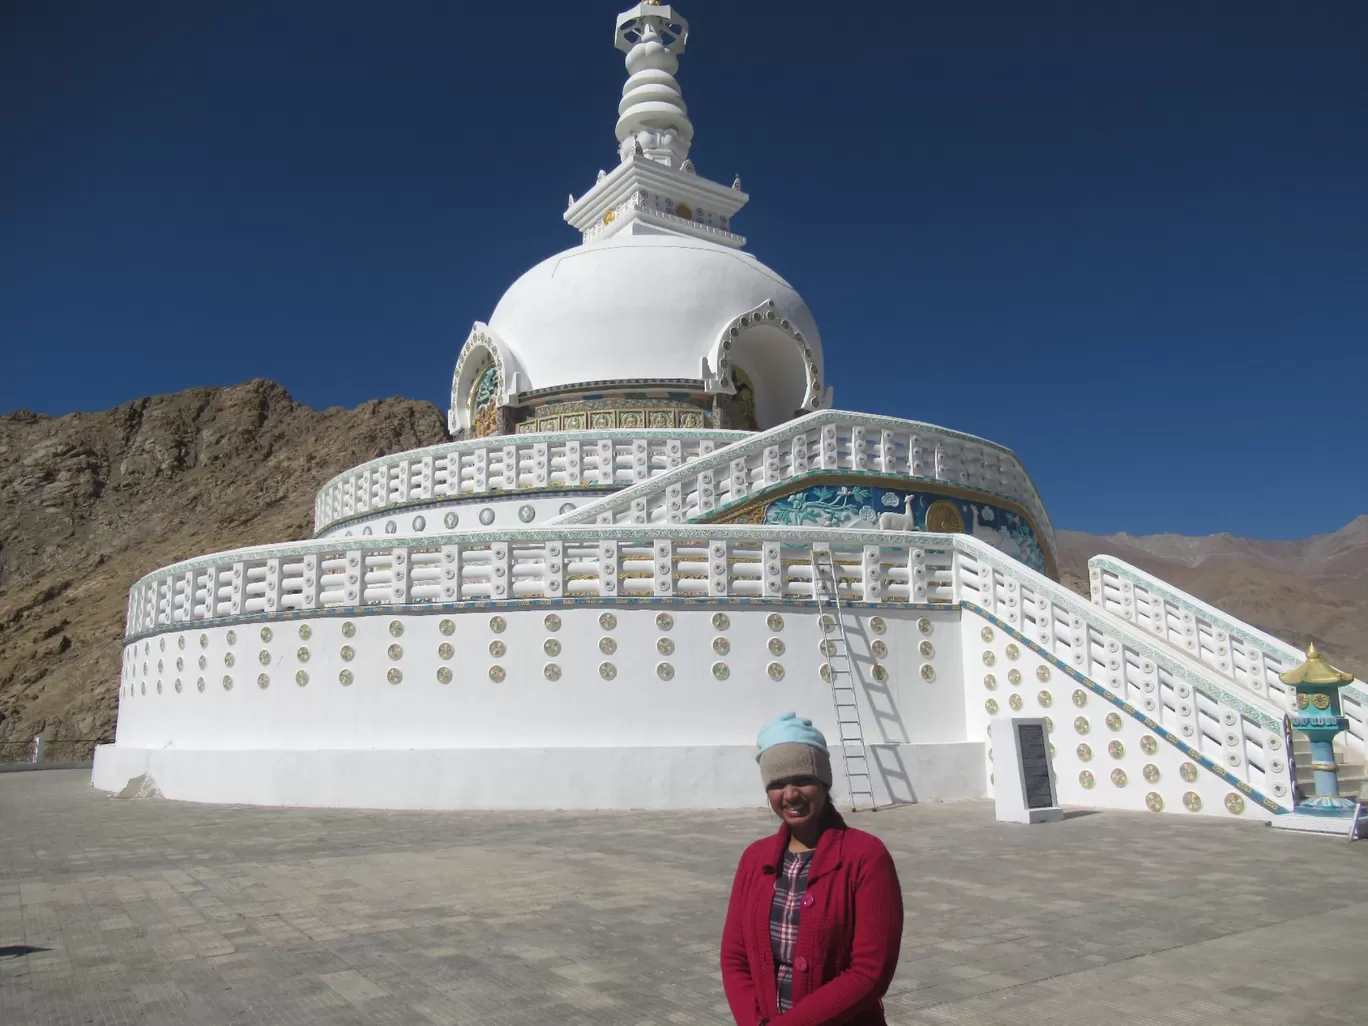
(91, 502)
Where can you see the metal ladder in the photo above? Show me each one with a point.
(844, 697)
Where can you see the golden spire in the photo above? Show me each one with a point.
(1315, 671)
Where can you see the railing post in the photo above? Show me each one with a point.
(356, 573)
(664, 567)
(773, 570)
(641, 460)
(607, 464)
(499, 576)
(480, 472)
(739, 486)
(426, 478)
(826, 453)
(771, 468)
(309, 592)
(798, 454)
(272, 585)
(916, 573)
(871, 573)
(541, 464)
(573, 472)
(888, 453)
(707, 498)
(399, 576)
(1044, 622)
(554, 570)
(717, 567)
(608, 568)
(987, 590)
(451, 572)
(511, 471)
(859, 459)
(239, 589)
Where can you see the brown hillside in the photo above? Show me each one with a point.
(90, 502)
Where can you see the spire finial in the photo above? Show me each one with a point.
(652, 116)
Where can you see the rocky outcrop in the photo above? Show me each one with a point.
(90, 502)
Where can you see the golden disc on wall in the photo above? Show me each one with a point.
(944, 517)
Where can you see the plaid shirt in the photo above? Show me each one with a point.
(789, 886)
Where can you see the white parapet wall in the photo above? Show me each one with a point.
(510, 470)
(269, 674)
(825, 441)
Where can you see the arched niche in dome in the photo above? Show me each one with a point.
(486, 375)
(765, 355)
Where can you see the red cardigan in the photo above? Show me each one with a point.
(849, 932)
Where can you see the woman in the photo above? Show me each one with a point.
(815, 919)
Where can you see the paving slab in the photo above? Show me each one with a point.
(123, 911)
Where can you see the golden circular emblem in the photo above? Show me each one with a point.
(943, 517)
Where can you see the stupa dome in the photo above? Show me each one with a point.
(657, 307)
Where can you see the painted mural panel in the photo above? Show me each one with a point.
(859, 507)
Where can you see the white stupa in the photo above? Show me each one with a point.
(651, 534)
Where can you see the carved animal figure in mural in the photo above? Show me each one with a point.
(904, 521)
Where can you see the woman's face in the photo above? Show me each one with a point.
(798, 801)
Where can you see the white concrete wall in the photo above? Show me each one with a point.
(582, 740)
(580, 708)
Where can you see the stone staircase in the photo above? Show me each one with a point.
(1353, 780)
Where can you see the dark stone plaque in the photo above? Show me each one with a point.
(1035, 765)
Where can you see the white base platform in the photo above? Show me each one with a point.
(1333, 826)
(704, 777)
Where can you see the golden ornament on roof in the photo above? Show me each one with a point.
(1315, 671)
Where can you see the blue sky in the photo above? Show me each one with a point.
(1129, 241)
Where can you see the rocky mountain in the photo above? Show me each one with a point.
(90, 502)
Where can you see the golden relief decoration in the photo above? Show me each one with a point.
(944, 518)
(484, 402)
(617, 413)
(743, 416)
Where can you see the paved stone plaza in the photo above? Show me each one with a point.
(158, 912)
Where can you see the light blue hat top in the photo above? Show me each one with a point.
(789, 729)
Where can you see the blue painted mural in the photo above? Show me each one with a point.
(859, 507)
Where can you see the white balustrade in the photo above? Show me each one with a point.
(511, 463)
(1243, 731)
(1229, 647)
(832, 440)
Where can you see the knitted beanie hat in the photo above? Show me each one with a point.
(792, 747)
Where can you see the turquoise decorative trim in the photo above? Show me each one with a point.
(1135, 714)
(818, 475)
(1235, 628)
